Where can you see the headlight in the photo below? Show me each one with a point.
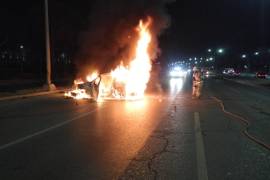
(178, 73)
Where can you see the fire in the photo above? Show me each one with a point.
(141, 65)
(126, 82)
(92, 76)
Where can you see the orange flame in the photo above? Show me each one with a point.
(137, 74)
(133, 78)
(92, 76)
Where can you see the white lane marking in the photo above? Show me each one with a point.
(20, 140)
(201, 160)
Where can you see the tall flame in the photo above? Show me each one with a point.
(128, 82)
(137, 74)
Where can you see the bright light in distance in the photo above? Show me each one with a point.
(177, 68)
(244, 56)
(256, 53)
(176, 85)
(178, 72)
(209, 50)
(220, 50)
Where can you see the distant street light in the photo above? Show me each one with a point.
(256, 53)
(220, 51)
(209, 50)
(244, 56)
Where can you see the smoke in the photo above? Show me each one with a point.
(111, 35)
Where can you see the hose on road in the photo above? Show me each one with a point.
(244, 121)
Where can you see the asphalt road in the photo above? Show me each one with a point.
(165, 136)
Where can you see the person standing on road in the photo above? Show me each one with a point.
(197, 83)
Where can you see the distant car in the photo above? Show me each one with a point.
(230, 72)
(261, 74)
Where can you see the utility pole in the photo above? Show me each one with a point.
(48, 84)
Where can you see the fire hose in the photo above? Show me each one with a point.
(245, 122)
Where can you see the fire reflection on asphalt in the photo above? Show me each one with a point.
(136, 105)
(176, 85)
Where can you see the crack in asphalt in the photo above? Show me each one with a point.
(163, 135)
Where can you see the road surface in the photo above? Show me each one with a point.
(165, 136)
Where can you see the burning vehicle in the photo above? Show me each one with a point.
(104, 86)
(124, 82)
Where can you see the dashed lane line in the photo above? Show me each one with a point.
(201, 159)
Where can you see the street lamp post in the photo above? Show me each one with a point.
(48, 84)
(220, 59)
(22, 52)
(247, 64)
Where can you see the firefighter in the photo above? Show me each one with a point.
(197, 83)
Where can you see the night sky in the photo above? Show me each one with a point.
(195, 25)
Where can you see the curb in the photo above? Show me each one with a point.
(31, 95)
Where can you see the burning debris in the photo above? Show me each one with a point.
(124, 82)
